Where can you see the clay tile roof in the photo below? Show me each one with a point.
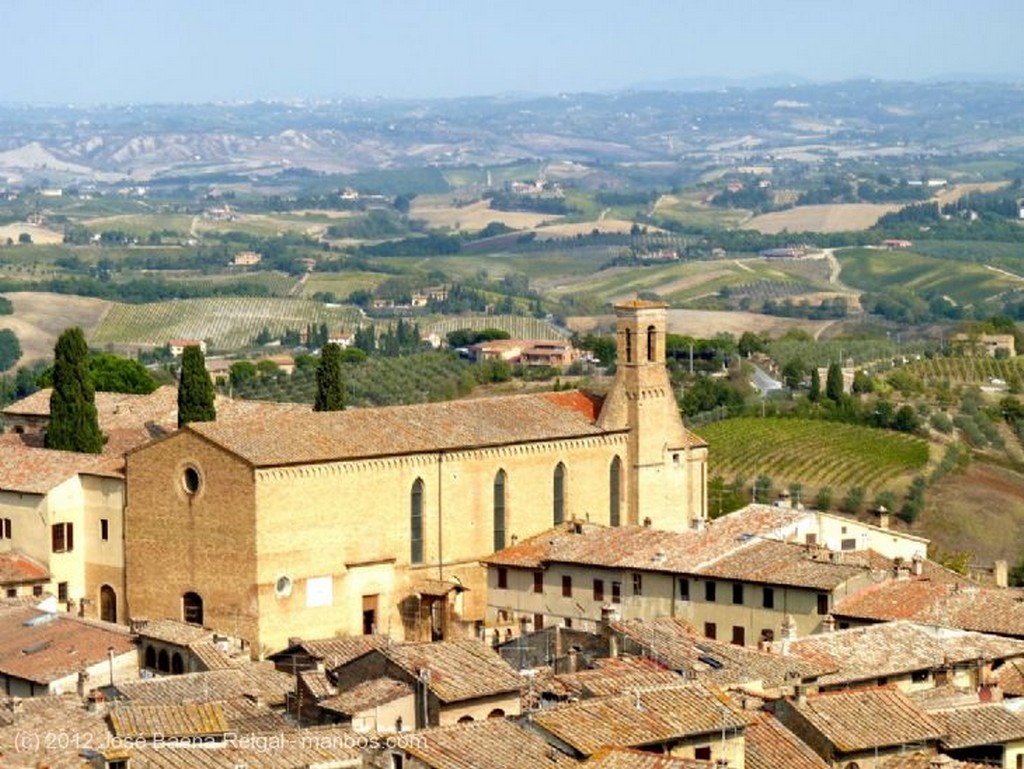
(172, 631)
(334, 652)
(894, 648)
(168, 721)
(770, 745)
(940, 602)
(258, 680)
(676, 645)
(921, 759)
(1010, 678)
(641, 548)
(988, 724)
(627, 758)
(492, 744)
(617, 676)
(65, 714)
(368, 694)
(37, 471)
(638, 719)
(787, 563)
(18, 569)
(861, 719)
(52, 646)
(459, 670)
(306, 436)
(317, 684)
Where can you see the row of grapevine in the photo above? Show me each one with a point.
(978, 370)
(813, 452)
(518, 326)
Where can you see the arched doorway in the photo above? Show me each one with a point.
(108, 604)
(177, 666)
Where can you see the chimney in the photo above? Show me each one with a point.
(917, 565)
(800, 694)
(787, 633)
(900, 570)
(828, 624)
(698, 523)
(1001, 573)
(608, 616)
(883, 517)
(572, 659)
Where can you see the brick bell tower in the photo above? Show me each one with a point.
(667, 465)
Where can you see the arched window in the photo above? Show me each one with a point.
(466, 720)
(499, 510)
(108, 604)
(629, 346)
(614, 488)
(150, 657)
(496, 713)
(192, 608)
(559, 494)
(162, 663)
(416, 522)
(177, 666)
(650, 342)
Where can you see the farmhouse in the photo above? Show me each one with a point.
(311, 524)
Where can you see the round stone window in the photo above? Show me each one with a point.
(283, 586)
(191, 480)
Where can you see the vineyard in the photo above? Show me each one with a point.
(518, 326)
(962, 370)
(813, 453)
(229, 322)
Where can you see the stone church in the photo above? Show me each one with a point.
(374, 520)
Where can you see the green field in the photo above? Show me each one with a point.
(518, 326)
(814, 453)
(689, 208)
(966, 283)
(341, 284)
(229, 322)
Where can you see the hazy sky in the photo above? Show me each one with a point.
(88, 51)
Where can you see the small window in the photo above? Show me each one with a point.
(538, 582)
(703, 753)
(538, 621)
(709, 591)
(12, 592)
(37, 590)
(566, 586)
(638, 584)
(768, 598)
(191, 480)
(5, 528)
(822, 603)
(568, 622)
(849, 543)
(616, 592)
(710, 630)
(104, 529)
(62, 592)
(598, 589)
(558, 495)
(502, 578)
(684, 589)
(416, 522)
(737, 593)
(62, 537)
(739, 636)
(920, 676)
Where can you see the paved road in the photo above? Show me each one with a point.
(763, 381)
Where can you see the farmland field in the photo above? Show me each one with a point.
(438, 211)
(689, 209)
(824, 218)
(706, 323)
(814, 453)
(40, 318)
(229, 322)
(341, 284)
(518, 326)
(965, 370)
(874, 269)
(38, 234)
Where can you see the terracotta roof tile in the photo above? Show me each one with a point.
(65, 715)
(492, 744)
(921, 759)
(459, 670)
(989, 724)
(1010, 678)
(203, 719)
(171, 631)
(894, 648)
(19, 569)
(333, 652)
(368, 694)
(788, 563)
(37, 471)
(862, 719)
(770, 745)
(52, 646)
(307, 436)
(627, 758)
(636, 719)
(676, 645)
(617, 676)
(259, 680)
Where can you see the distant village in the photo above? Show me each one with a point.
(512, 581)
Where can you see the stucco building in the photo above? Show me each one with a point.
(375, 520)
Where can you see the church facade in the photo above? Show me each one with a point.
(374, 520)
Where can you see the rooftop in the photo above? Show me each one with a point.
(861, 719)
(617, 676)
(987, 724)
(17, 569)
(770, 745)
(637, 719)
(627, 758)
(333, 652)
(42, 647)
(366, 695)
(458, 670)
(259, 680)
(895, 648)
(197, 719)
(492, 744)
(36, 471)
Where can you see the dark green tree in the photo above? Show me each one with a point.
(793, 373)
(814, 394)
(330, 394)
(10, 349)
(834, 383)
(195, 390)
(74, 424)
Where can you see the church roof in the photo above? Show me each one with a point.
(304, 436)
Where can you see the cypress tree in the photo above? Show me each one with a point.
(834, 383)
(330, 394)
(74, 424)
(814, 395)
(195, 390)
